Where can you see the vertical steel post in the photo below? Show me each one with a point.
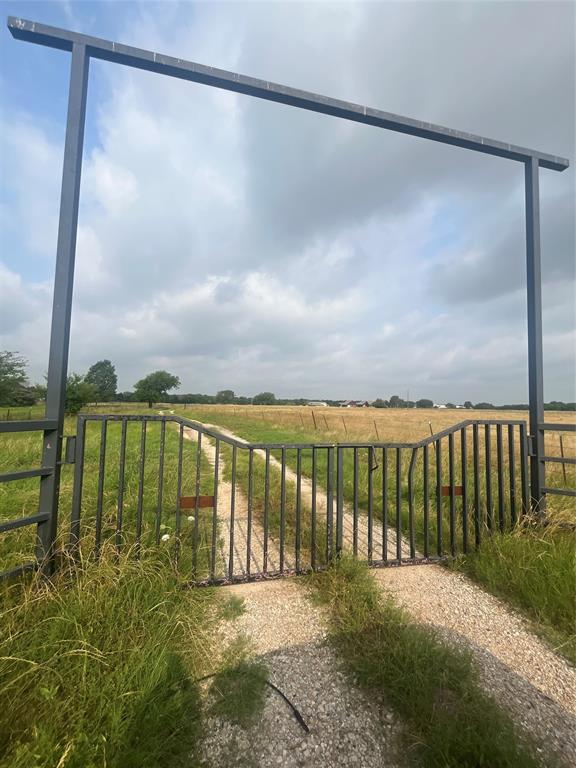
(62, 304)
(535, 358)
(339, 499)
(77, 485)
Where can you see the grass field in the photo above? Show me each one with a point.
(125, 632)
(447, 719)
(99, 667)
(532, 569)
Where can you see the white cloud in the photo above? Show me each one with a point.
(251, 246)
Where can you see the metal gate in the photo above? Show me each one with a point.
(228, 511)
(225, 510)
(395, 478)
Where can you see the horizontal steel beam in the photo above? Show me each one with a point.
(558, 427)
(559, 491)
(10, 525)
(150, 61)
(23, 474)
(30, 425)
(19, 570)
(558, 459)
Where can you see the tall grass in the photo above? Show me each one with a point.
(97, 668)
(533, 567)
(449, 722)
(159, 518)
(272, 513)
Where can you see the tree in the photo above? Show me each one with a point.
(102, 376)
(468, 404)
(483, 406)
(264, 398)
(79, 393)
(153, 388)
(379, 403)
(424, 403)
(39, 391)
(450, 405)
(225, 396)
(125, 397)
(14, 389)
(396, 402)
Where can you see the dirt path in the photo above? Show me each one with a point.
(349, 532)
(346, 728)
(244, 559)
(533, 683)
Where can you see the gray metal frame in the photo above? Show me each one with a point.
(372, 499)
(83, 48)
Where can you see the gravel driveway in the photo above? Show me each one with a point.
(536, 686)
(346, 728)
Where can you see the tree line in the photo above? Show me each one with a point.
(100, 384)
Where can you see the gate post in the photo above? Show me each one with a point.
(62, 304)
(535, 357)
(78, 482)
(339, 500)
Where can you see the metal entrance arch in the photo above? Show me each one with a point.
(83, 48)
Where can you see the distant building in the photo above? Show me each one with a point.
(354, 404)
(317, 404)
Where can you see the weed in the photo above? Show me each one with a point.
(238, 690)
(232, 607)
(98, 666)
(533, 568)
(449, 721)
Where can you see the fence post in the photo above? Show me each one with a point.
(535, 359)
(62, 303)
(562, 455)
(339, 499)
(78, 480)
(329, 502)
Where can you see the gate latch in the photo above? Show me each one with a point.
(70, 450)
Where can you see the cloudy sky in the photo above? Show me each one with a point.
(247, 245)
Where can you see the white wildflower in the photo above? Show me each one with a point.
(166, 537)
(190, 518)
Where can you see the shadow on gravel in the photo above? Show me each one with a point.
(346, 727)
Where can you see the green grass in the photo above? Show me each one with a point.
(20, 498)
(534, 569)
(238, 690)
(274, 514)
(99, 666)
(232, 608)
(448, 720)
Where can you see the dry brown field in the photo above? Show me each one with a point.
(381, 424)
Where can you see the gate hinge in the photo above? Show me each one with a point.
(70, 450)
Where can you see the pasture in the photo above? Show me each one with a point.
(530, 566)
(146, 546)
(138, 506)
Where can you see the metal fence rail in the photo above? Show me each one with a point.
(227, 510)
(82, 49)
(550, 427)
